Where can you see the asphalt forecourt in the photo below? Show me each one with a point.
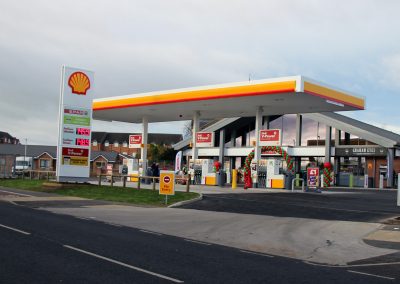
(143, 197)
(42, 247)
(343, 205)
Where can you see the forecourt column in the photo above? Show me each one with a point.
(257, 150)
(299, 128)
(328, 138)
(143, 153)
(196, 124)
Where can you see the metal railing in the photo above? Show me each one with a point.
(38, 174)
(141, 179)
(302, 184)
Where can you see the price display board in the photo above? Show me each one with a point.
(75, 119)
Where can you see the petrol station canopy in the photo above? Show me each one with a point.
(296, 94)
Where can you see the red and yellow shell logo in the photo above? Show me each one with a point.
(79, 83)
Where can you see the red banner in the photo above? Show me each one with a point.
(270, 137)
(75, 152)
(205, 139)
(135, 141)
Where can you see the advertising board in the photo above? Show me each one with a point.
(74, 125)
(312, 177)
(135, 141)
(270, 137)
(205, 139)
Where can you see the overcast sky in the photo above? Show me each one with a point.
(140, 46)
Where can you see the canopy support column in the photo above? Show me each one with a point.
(196, 126)
(257, 150)
(299, 129)
(328, 139)
(143, 153)
(222, 156)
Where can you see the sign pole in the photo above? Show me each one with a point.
(166, 199)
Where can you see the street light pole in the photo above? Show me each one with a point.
(26, 142)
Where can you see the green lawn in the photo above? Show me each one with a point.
(117, 194)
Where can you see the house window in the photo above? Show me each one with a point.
(116, 144)
(125, 144)
(94, 143)
(106, 143)
(100, 165)
(44, 164)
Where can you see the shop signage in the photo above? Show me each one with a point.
(74, 125)
(312, 177)
(270, 137)
(135, 141)
(167, 183)
(205, 139)
(360, 151)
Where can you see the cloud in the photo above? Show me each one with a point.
(139, 46)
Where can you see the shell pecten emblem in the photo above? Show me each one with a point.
(79, 83)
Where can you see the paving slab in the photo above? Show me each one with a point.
(322, 241)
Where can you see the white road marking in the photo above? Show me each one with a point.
(354, 265)
(82, 218)
(124, 264)
(113, 224)
(26, 195)
(150, 232)
(256, 253)
(16, 230)
(197, 242)
(374, 275)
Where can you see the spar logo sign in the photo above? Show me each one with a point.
(167, 183)
(205, 139)
(270, 137)
(135, 141)
(79, 83)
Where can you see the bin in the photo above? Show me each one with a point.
(221, 178)
(288, 181)
(371, 183)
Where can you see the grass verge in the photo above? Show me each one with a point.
(117, 194)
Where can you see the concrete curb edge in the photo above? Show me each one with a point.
(180, 203)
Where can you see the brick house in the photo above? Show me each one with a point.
(119, 142)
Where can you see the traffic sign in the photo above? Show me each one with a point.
(167, 183)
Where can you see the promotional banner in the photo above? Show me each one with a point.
(74, 125)
(135, 141)
(312, 177)
(205, 139)
(270, 137)
(178, 161)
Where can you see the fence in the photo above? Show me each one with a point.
(141, 179)
(6, 165)
(37, 174)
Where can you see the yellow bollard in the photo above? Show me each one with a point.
(234, 178)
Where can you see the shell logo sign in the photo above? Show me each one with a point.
(79, 83)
